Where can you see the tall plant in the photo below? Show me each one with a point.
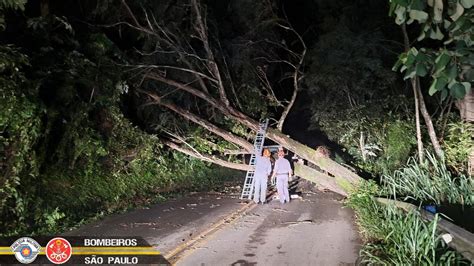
(430, 182)
(395, 237)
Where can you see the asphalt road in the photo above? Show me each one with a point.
(313, 230)
(219, 229)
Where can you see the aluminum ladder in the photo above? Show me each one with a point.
(247, 189)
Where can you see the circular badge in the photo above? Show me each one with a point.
(26, 249)
(58, 250)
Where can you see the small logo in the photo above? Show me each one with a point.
(26, 249)
(58, 250)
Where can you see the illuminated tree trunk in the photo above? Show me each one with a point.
(420, 102)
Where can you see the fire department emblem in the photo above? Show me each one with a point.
(26, 249)
(58, 250)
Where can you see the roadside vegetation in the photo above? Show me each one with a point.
(394, 236)
(68, 153)
(412, 155)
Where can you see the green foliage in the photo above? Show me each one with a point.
(368, 211)
(458, 145)
(450, 67)
(134, 170)
(50, 221)
(450, 70)
(20, 127)
(408, 241)
(67, 152)
(13, 4)
(9, 5)
(394, 237)
(429, 182)
(399, 143)
(387, 139)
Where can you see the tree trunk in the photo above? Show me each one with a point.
(322, 179)
(305, 152)
(466, 107)
(202, 122)
(301, 150)
(287, 108)
(417, 121)
(44, 8)
(221, 101)
(429, 123)
(296, 78)
(206, 157)
(415, 82)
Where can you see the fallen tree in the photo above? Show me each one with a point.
(195, 72)
(325, 181)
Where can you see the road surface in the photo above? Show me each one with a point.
(314, 230)
(218, 229)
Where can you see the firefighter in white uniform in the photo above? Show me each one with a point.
(263, 169)
(282, 171)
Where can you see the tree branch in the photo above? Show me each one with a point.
(268, 87)
(236, 152)
(201, 28)
(207, 158)
(296, 78)
(226, 110)
(201, 122)
(419, 141)
(189, 70)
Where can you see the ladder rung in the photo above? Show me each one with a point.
(258, 146)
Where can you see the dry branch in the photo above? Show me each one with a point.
(201, 122)
(205, 157)
(296, 77)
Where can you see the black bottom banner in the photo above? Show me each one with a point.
(85, 250)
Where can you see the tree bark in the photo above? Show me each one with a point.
(362, 146)
(429, 123)
(301, 150)
(305, 152)
(214, 69)
(419, 141)
(321, 179)
(202, 122)
(466, 106)
(207, 158)
(415, 82)
(287, 109)
(296, 80)
(222, 104)
(421, 154)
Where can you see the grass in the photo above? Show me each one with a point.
(408, 241)
(394, 237)
(429, 182)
